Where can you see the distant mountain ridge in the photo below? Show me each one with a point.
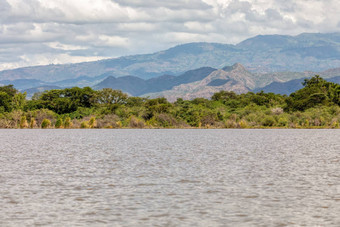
(238, 79)
(231, 78)
(263, 53)
(136, 86)
(286, 88)
(202, 82)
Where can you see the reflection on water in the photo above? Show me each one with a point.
(170, 177)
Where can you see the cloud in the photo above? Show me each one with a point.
(35, 32)
(174, 4)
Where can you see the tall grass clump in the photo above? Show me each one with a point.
(67, 122)
(59, 123)
(23, 122)
(45, 123)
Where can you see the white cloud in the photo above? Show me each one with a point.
(112, 41)
(64, 31)
(61, 46)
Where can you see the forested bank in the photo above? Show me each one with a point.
(317, 105)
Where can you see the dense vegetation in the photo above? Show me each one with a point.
(317, 105)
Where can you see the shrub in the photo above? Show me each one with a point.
(208, 119)
(67, 122)
(135, 122)
(283, 122)
(92, 122)
(119, 124)
(230, 124)
(59, 123)
(23, 122)
(268, 121)
(166, 120)
(277, 111)
(335, 123)
(84, 124)
(108, 121)
(33, 123)
(40, 115)
(243, 124)
(45, 123)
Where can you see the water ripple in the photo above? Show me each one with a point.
(169, 177)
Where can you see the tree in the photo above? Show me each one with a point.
(108, 96)
(64, 100)
(18, 101)
(6, 96)
(223, 96)
(316, 91)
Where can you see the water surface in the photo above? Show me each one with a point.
(170, 177)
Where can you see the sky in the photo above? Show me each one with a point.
(41, 32)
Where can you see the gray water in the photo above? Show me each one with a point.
(170, 177)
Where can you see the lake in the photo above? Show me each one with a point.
(170, 177)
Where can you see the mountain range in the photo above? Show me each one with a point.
(238, 79)
(270, 62)
(201, 82)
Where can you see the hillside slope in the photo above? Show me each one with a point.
(269, 53)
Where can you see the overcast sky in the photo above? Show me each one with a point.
(38, 32)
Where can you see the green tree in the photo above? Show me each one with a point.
(6, 97)
(316, 91)
(108, 96)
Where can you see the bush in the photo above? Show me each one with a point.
(41, 114)
(84, 124)
(67, 122)
(119, 124)
(283, 122)
(92, 122)
(268, 121)
(335, 123)
(108, 121)
(135, 122)
(33, 123)
(166, 120)
(23, 122)
(59, 123)
(277, 111)
(231, 124)
(45, 123)
(243, 124)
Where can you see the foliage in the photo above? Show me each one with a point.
(7, 94)
(108, 96)
(67, 122)
(59, 123)
(45, 123)
(23, 122)
(316, 91)
(33, 123)
(92, 122)
(316, 105)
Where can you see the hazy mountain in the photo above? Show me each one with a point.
(269, 53)
(21, 84)
(334, 79)
(82, 81)
(238, 79)
(235, 78)
(286, 88)
(128, 84)
(31, 91)
(136, 86)
(202, 82)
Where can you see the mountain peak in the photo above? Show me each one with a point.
(236, 66)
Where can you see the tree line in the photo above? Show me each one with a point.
(316, 105)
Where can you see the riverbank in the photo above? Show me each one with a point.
(317, 105)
